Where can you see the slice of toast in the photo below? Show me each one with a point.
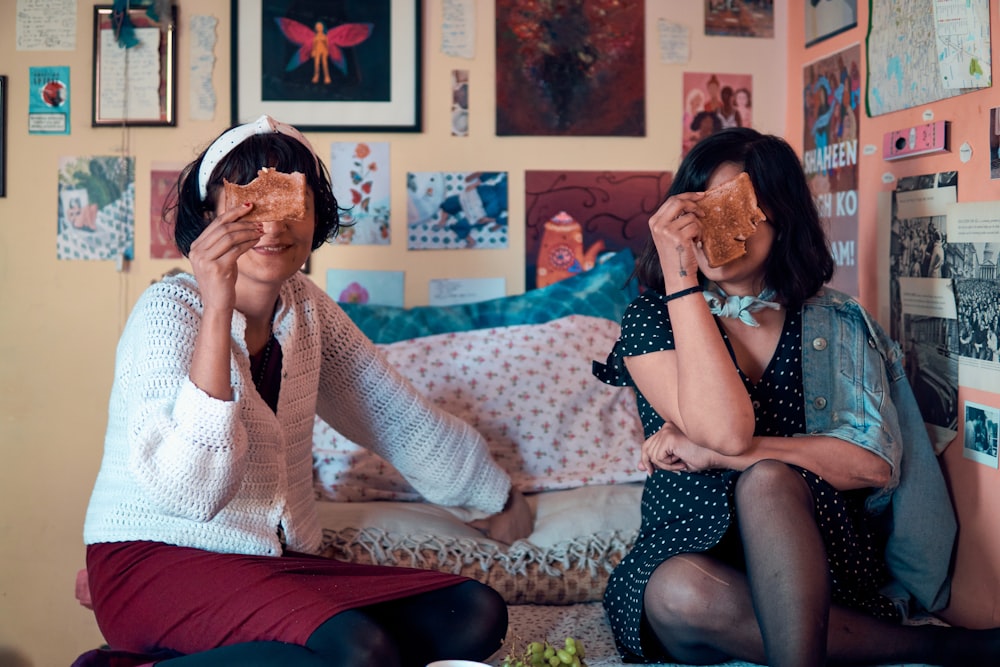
(731, 215)
(275, 195)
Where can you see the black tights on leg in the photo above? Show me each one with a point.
(786, 563)
(468, 620)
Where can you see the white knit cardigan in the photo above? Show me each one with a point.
(187, 469)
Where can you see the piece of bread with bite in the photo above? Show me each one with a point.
(730, 216)
(275, 195)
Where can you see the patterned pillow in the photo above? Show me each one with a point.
(528, 389)
(604, 291)
(580, 536)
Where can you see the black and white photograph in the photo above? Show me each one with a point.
(931, 367)
(980, 439)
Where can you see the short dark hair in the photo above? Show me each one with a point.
(800, 261)
(284, 153)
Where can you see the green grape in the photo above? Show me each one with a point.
(564, 657)
(549, 652)
(555, 661)
(536, 647)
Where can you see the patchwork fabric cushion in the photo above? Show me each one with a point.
(604, 291)
(528, 389)
(580, 536)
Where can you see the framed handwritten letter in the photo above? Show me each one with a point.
(328, 65)
(135, 68)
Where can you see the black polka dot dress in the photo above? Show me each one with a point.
(693, 512)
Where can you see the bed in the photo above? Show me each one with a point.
(518, 369)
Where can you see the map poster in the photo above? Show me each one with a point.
(831, 96)
(922, 51)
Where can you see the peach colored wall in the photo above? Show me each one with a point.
(975, 488)
(61, 320)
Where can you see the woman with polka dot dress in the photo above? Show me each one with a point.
(780, 524)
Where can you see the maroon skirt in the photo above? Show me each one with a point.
(150, 596)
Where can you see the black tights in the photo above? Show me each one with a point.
(467, 621)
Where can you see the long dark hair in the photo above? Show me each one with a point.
(284, 153)
(800, 261)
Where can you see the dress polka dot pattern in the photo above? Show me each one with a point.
(691, 512)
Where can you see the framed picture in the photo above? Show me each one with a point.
(134, 85)
(328, 65)
(3, 136)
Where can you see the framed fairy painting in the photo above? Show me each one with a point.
(328, 65)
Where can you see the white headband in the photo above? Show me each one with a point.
(232, 138)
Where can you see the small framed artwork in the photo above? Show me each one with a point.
(3, 136)
(328, 65)
(134, 85)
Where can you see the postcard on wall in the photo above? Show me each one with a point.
(48, 100)
(738, 18)
(570, 69)
(922, 305)
(713, 101)
(831, 98)
(456, 210)
(360, 176)
(573, 218)
(378, 288)
(162, 182)
(826, 18)
(96, 208)
(980, 433)
(456, 291)
(460, 103)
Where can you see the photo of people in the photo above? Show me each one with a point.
(715, 101)
(980, 437)
(456, 210)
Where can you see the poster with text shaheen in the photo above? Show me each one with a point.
(831, 95)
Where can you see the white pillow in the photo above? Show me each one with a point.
(528, 389)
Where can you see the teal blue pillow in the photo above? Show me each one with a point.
(604, 291)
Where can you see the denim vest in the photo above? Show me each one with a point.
(856, 390)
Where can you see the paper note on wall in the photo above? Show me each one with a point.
(202, 92)
(46, 25)
(458, 29)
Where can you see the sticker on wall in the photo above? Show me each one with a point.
(739, 18)
(162, 182)
(573, 218)
(360, 176)
(379, 288)
(980, 433)
(96, 218)
(48, 100)
(456, 210)
(831, 96)
(713, 102)
(570, 69)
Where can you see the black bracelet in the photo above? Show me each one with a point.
(684, 292)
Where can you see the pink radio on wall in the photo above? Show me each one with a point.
(917, 140)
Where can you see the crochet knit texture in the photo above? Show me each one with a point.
(184, 468)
